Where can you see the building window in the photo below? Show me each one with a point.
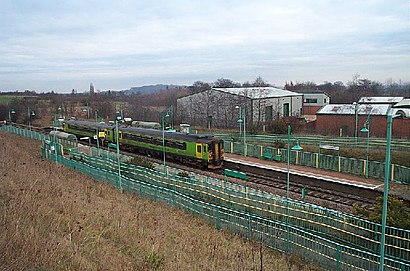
(286, 109)
(324, 100)
(268, 113)
(311, 101)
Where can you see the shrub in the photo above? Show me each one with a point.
(398, 214)
(138, 161)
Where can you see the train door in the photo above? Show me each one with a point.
(120, 136)
(198, 151)
(216, 152)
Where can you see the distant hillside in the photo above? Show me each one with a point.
(149, 89)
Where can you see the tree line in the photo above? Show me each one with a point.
(149, 107)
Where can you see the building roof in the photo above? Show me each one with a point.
(311, 91)
(380, 100)
(405, 103)
(404, 112)
(259, 92)
(349, 109)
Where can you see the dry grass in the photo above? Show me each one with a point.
(54, 218)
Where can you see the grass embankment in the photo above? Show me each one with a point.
(6, 99)
(57, 219)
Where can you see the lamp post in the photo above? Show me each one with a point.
(355, 122)
(297, 147)
(386, 188)
(242, 119)
(170, 113)
(163, 137)
(288, 161)
(118, 151)
(30, 114)
(61, 112)
(244, 132)
(11, 111)
(97, 133)
(87, 110)
(366, 129)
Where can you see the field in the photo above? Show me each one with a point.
(53, 218)
(6, 99)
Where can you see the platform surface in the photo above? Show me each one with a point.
(321, 174)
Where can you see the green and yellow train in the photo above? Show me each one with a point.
(199, 149)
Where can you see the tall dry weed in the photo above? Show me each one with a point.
(53, 218)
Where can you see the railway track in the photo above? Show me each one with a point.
(330, 195)
(316, 192)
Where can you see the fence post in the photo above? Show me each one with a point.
(249, 227)
(338, 256)
(392, 172)
(340, 166)
(218, 219)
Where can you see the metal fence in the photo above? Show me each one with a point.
(316, 140)
(335, 240)
(332, 239)
(24, 132)
(400, 174)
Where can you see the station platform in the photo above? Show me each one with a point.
(329, 176)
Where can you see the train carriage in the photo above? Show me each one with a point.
(90, 129)
(202, 150)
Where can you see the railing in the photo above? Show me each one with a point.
(24, 132)
(341, 164)
(346, 142)
(330, 238)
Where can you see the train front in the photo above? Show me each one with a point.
(216, 153)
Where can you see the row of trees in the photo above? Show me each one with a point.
(199, 86)
(354, 89)
(144, 106)
(339, 92)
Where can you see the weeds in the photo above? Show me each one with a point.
(57, 219)
(155, 260)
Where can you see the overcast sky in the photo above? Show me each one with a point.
(64, 44)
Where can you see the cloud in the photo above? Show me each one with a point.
(130, 41)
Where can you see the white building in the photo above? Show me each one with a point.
(221, 107)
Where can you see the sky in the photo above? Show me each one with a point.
(67, 44)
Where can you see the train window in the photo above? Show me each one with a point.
(199, 148)
(206, 148)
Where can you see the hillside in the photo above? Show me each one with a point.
(149, 89)
(57, 219)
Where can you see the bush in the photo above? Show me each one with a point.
(183, 174)
(138, 161)
(277, 127)
(398, 214)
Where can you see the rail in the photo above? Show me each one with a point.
(333, 239)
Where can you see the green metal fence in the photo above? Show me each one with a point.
(341, 164)
(344, 142)
(330, 238)
(24, 132)
(333, 239)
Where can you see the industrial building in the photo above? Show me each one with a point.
(222, 107)
(348, 119)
